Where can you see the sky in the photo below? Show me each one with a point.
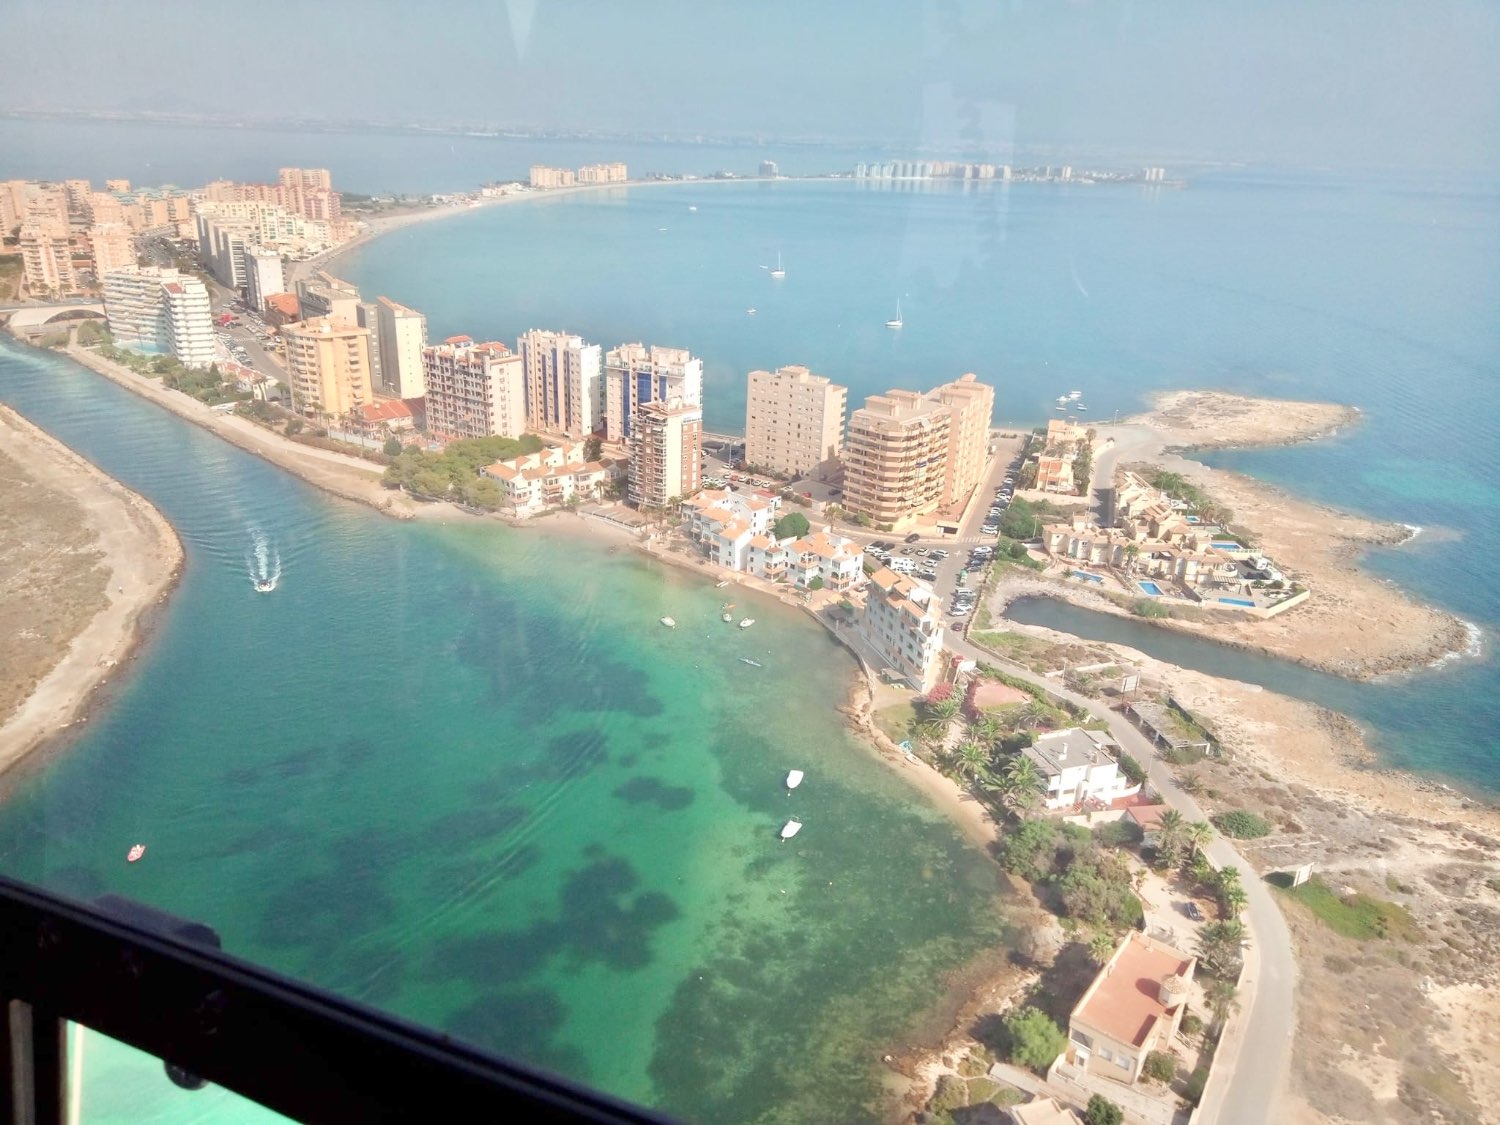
(1319, 82)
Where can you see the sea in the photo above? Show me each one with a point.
(460, 772)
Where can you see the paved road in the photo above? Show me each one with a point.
(1246, 1081)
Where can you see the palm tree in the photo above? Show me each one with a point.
(1200, 871)
(1199, 833)
(1169, 838)
(1101, 947)
(1021, 784)
(1220, 995)
(987, 729)
(1219, 947)
(1034, 713)
(943, 709)
(973, 760)
(1234, 900)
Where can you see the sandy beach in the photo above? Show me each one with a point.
(85, 561)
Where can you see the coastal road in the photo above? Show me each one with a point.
(1246, 1084)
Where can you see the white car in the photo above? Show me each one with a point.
(902, 566)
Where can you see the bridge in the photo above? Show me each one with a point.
(33, 316)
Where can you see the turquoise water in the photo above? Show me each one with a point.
(1375, 292)
(461, 772)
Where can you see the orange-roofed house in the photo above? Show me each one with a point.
(550, 477)
(903, 627)
(385, 417)
(839, 562)
(1132, 1008)
(282, 308)
(724, 523)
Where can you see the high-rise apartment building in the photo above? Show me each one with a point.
(666, 453)
(613, 173)
(46, 257)
(635, 375)
(80, 203)
(403, 335)
(367, 315)
(474, 390)
(545, 177)
(971, 404)
(158, 309)
(564, 383)
(264, 275)
(111, 246)
(328, 365)
(323, 295)
(895, 457)
(794, 421)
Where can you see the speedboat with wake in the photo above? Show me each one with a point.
(265, 585)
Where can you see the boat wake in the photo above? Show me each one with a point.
(262, 562)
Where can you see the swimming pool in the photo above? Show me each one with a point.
(1087, 577)
(1150, 588)
(1238, 601)
(1229, 545)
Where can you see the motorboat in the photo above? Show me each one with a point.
(745, 623)
(135, 853)
(264, 585)
(752, 663)
(794, 779)
(669, 623)
(1062, 398)
(749, 312)
(791, 828)
(1075, 395)
(692, 207)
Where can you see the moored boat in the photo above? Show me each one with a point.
(135, 853)
(794, 779)
(669, 623)
(791, 828)
(747, 622)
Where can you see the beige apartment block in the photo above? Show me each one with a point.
(972, 403)
(614, 173)
(564, 383)
(328, 365)
(47, 258)
(794, 421)
(635, 374)
(474, 390)
(112, 247)
(403, 335)
(666, 452)
(895, 457)
(545, 177)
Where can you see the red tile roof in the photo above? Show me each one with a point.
(385, 410)
(1125, 999)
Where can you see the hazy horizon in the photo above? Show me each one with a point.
(1344, 82)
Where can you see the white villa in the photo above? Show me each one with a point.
(725, 522)
(736, 530)
(1080, 765)
(839, 562)
(535, 481)
(902, 622)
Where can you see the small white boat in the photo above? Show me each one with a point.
(721, 585)
(749, 312)
(264, 585)
(794, 779)
(747, 622)
(791, 828)
(669, 623)
(778, 272)
(752, 663)
(1062, 398)
(896, 322)
(1075, 394)
(135, 853)
(1059, 406)
(726, 617)
(1080, 406)
(692, 207)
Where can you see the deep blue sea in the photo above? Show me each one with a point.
(438, 754)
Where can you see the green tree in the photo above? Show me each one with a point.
(942, 709)
(793, 525)
(1171, 840)
(392, 447)
(1220, 996)
(1220, 947)
(1031, 850)
(1022, 784)
(816, 583)
(1198, 834)
(593, 448)
(1035, 1041)
(1101, 947)
(973, 760)
(1161, 1066)
(987, 729)
(1102, 1111)
(1234, 900)
(294, 426)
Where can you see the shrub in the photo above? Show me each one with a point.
(1035, 1041)
(952, 1092)
(1192, 1024)
(1161, 1066)
(1193, 1092)
(1102, 1111)
(1242, 824)
(1117, 833)
(1132, 769)
(793, 525)
(939, 693)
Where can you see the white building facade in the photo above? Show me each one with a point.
(635, 375)
(158, 309)
(1080, 766)
(902, 623)
(564, 383)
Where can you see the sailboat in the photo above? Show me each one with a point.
(897, 322)
(778, 272)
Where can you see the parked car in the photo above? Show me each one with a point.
(989, 529)
(913, 538)
(1193, 912)
(938, 553)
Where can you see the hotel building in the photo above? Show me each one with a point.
(328, 365)
(635, 375)
(971, 404)
(895, 458)
(474, 390)
(160, 310)
(666, 452)
(564, 384)
(902, 624)
(545, 177)
(403, 334)
(613, 173)
(794, 421)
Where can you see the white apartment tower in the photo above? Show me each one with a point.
(635, 375)
(564, 386)
(794, 421)
(160, 310)
(474, 390)
(666, 453)
(264, 275)
(403, 336)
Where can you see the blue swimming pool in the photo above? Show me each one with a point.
(1237, 601)
(1150, 588)
(1229, 545)
(1087, 577)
